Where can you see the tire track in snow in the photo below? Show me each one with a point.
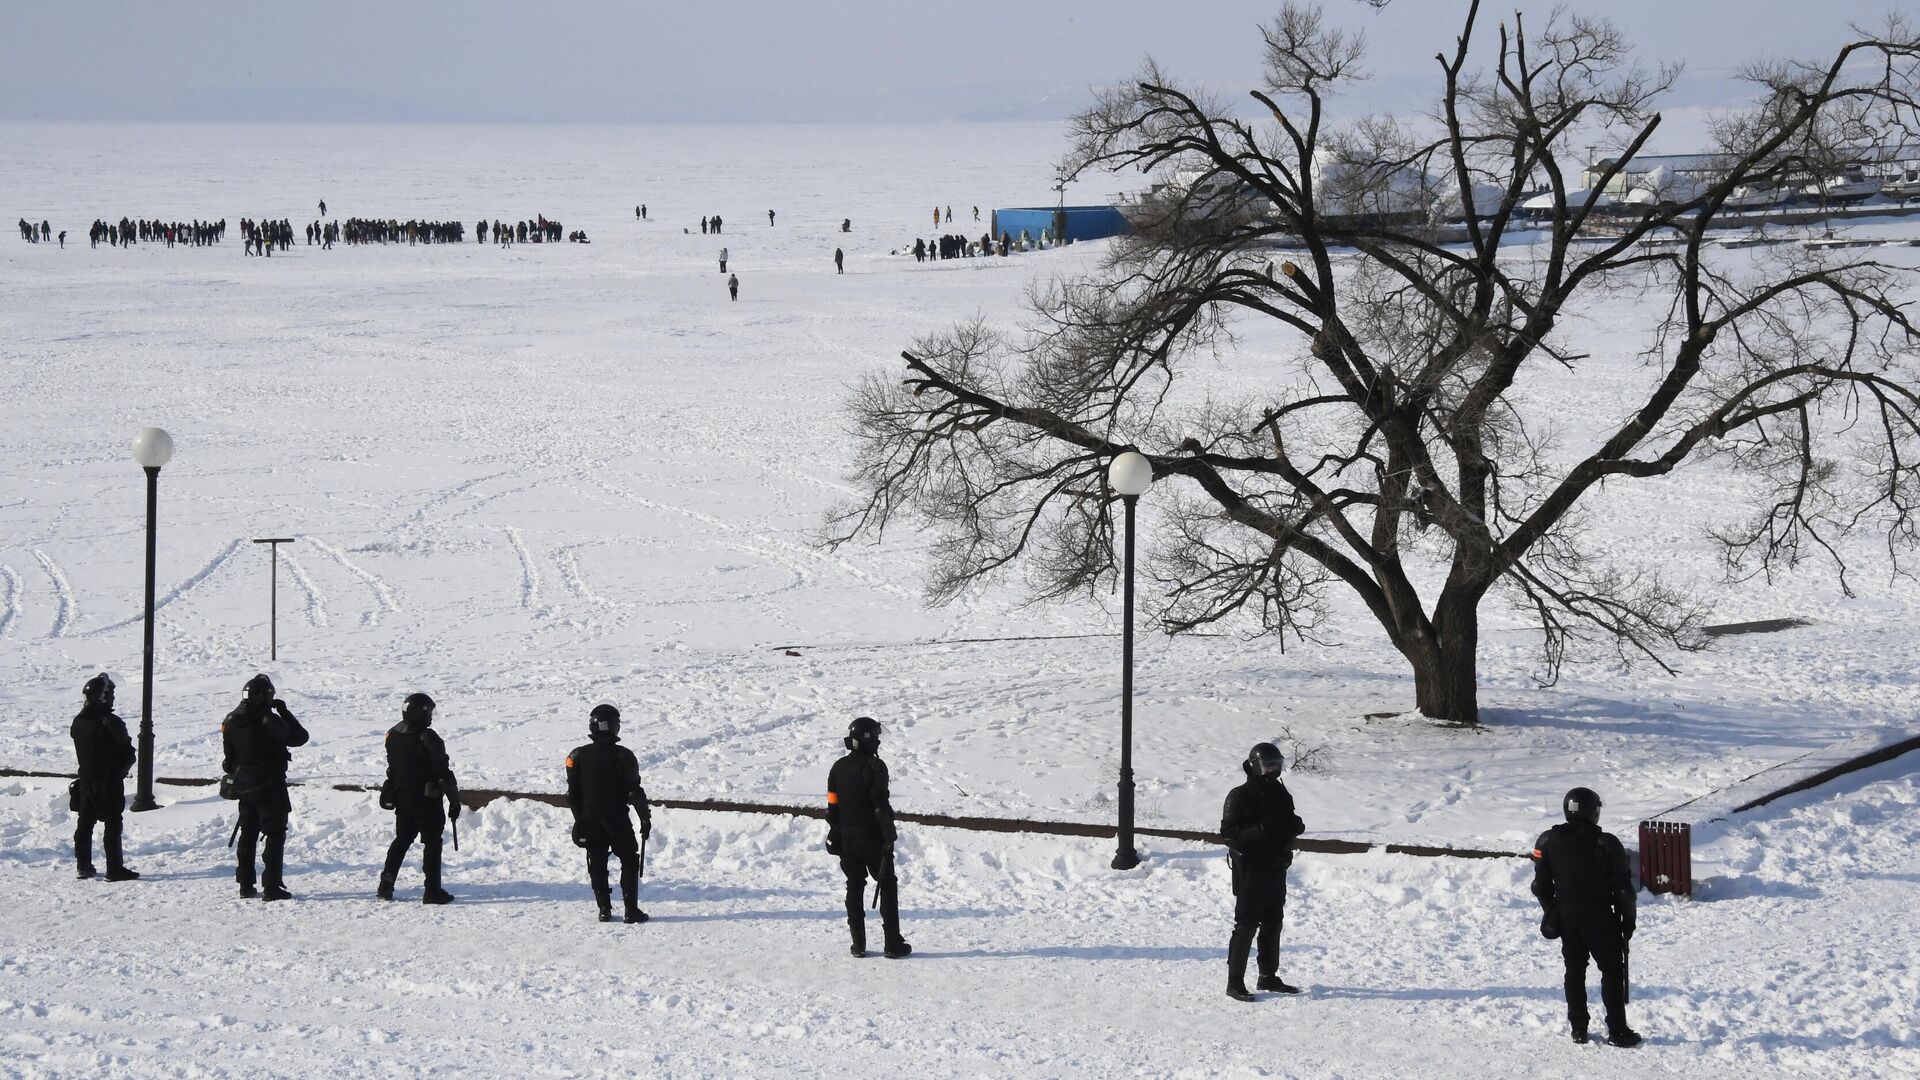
(382, 592)
(12, 598)
(192, 581)
(63, 612)
(316, 600)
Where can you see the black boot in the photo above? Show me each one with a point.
(1626, 1038)
(897, 949)
(633, 913)
(273, 892)
(385, 891)
(1580, 1036)
(605, 903)
(85, 871)
(1274, 983)
(436, 896)
(1239, 945)
(116, 858)
(247, 891)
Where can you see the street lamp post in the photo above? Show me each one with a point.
(1130, 474)
(152, 448)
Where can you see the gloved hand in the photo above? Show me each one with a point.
(277, 705)
(646, 827)
(453, 809)
(579, 835)
(833, 843)
(1626, 930)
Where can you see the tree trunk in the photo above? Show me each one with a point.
(1446, 674)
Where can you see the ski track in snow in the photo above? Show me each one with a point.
(566, 558)
(316, 601)
(64, 611)
(187, 585)
(529, 574)
(384, 602)
(11, 610)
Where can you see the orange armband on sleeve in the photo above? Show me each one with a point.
(833, 798)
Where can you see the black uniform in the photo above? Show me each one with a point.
(603, 779)
(1580, 875)
(860, 831)
(1260, 826)
(418, 778)
(105, 754)
(256, 739)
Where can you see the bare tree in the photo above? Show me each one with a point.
(1392, 440)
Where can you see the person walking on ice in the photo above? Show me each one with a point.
(733, 286)
(418, 777)
(723, 260)
(839, 261)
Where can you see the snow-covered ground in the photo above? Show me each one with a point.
(1032, 957)
(528, 480)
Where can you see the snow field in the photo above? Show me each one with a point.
(1032, 957)
(530, 480)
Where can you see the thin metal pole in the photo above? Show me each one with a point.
(1126, 858)
(273, 607)
(143, 793)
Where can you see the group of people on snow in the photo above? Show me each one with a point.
(1581, 875)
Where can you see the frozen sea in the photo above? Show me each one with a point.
(526, 480)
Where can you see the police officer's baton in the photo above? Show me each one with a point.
(1626, 971)
(234, 833)
(643, 851)
(455, 822)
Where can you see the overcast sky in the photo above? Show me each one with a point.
(629, 61)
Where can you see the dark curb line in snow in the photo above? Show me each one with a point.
(1864, 761)
(475, 798)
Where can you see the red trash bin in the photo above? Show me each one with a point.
(1666, 857)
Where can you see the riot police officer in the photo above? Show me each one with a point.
(105, 754)
(1260, 826)
(603, 779)
(1581, 877)
(256, 738)
(418, 778)
(860, 832)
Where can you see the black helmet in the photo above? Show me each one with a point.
(863, 734)
(259, 686)
(1263, 760)
(1582, 804)
(605, 720)
(418, 706)
(98, 688)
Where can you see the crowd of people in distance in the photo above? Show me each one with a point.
(127, 231)
(537, 231)
(391, 231)
(262, 237)
(955, 246)
(191, 233)
(710, 224)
